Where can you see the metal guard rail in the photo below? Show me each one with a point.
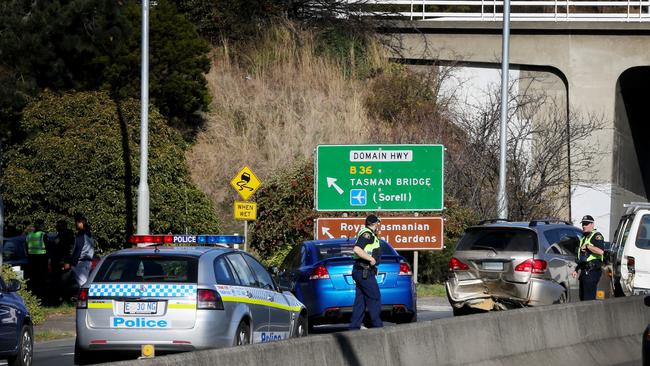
(520, 10)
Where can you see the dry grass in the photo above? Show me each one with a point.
(275, 110)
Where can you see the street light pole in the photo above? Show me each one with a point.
(502, 200)
(143, 187)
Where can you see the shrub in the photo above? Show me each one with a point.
(31, 301)
(82, 154)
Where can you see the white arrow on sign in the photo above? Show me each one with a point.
(331, 182)
(326, 231)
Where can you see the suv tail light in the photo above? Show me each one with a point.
(630, 264)
(319, 273)
(404, 269)
(208, 300)
(82, 299)
(457, 265)
(536, 266)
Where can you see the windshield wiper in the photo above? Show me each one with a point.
(485, 247)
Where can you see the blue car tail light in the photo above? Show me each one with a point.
(319, 273)
(404, 269)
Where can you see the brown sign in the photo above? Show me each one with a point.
(403, 233)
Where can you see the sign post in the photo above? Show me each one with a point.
(379, 178)
(245, 182)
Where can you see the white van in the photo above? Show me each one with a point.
(630, 261)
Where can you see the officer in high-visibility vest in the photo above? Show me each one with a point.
(37, 256)
(367, 254)
(590, 259)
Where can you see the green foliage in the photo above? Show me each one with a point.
(285, 211)
(92, 44)
(82, 154)
(347, 47)
(177, 66)
(31, 301)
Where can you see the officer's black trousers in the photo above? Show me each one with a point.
(589, 284)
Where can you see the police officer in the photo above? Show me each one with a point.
(83, 251)
(590, 259)
(37, 256)
(367, 254)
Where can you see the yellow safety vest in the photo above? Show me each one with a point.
(586, 240)
(368, 248)
(35, 243)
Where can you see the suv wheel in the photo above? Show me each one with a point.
(25, 348)
(564, 298)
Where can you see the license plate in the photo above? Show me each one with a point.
(140, 307)
(493, 266)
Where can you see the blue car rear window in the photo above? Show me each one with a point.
(152, 269)
(327, 251)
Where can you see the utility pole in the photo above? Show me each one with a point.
(143, 188)
(502, 200)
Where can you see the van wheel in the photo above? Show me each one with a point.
(301, 327)
(243, 334)
(25, 349)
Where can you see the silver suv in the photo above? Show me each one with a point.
(500, 265)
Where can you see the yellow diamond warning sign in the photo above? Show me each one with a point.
(245, 183)
(245, 210)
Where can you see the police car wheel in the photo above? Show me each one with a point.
(301, 327)
(25, 349)
(243, 334)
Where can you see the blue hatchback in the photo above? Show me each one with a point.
(319, 273)
(16, 332)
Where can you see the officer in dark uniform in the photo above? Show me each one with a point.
(367, 254)
(590, 259)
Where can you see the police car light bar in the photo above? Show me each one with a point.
(198, 240)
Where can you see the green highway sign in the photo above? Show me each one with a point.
(379, 177)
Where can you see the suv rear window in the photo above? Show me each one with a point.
(326, 251)
(152, 269)
(508, 239)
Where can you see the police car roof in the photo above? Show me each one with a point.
(173, 250)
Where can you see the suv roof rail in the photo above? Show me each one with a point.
(492, 221)
(548, 221)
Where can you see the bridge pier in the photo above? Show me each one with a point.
(590, 58)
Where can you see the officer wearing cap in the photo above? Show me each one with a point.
(367, 254)
(590, 259)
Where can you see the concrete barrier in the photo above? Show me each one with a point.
(592, 333)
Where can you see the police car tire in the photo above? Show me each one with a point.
(25, 353)
(82, 357)
(243, 334)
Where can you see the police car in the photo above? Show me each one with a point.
(182, 298)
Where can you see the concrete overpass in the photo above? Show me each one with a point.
(603, 68)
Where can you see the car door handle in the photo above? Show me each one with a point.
(249, 294)
(270, 298)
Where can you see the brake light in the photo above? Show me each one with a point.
(208, 300)
(404, 269)
(536, 266)
(457, 265)
(93, 263)
(630, 264)
(82, 299)
(319, 273)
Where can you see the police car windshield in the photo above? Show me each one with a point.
(156, 269)
(327, 251)
(499, 239)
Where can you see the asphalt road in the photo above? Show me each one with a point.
(60, 352)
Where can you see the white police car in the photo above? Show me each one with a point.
(182, 298)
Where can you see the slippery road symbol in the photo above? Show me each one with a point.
(243, 180)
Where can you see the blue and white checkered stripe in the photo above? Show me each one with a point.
(141, 290)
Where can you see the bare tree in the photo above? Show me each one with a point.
(540, 132)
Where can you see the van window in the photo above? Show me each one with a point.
(509, 239)
(643, 233)
(626, 233)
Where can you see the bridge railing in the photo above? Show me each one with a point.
(520, 10)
